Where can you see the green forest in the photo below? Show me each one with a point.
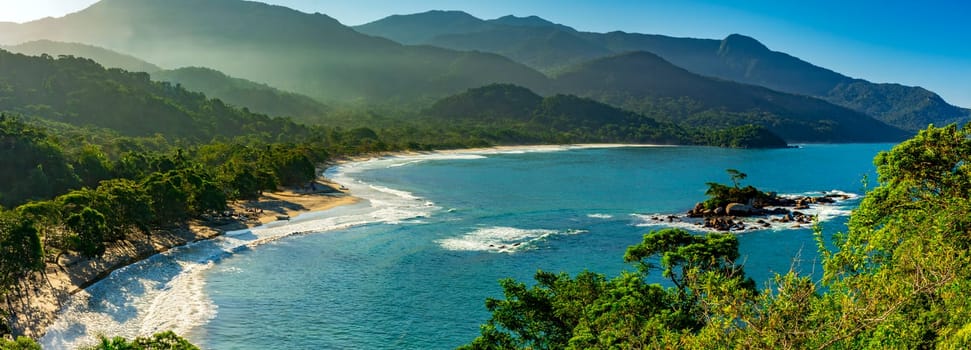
(898, 278)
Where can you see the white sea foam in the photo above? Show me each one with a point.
(500, 239)
(600, 216)
(167, 291)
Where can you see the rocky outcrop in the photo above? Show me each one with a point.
(773, 208)
(739, 209)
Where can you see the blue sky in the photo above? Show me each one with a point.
(923, 43)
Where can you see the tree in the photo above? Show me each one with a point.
(21, 251)
(901, 275)
(167, 340)
(89, 227)
(736, 176)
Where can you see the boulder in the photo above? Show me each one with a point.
(720, 211)
(739, 209)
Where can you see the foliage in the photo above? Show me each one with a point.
(720, 195)
(591, 312)
(160, 341)
(21, 343)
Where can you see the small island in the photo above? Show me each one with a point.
(728, 205)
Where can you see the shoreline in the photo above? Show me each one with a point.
(39, 305)
(48, 292)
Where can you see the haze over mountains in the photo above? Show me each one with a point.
(548, 46)
(688, 82)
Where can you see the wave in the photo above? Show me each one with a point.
(167, 291)
(499, 239)
(600, 216)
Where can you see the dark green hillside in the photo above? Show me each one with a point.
(33, 164)
(256, 97)
(105, 57)
(312, 54)
(909, 107)
(493, 102)
(645, 83)
(528, 117)
(81, 92)
(744, 59)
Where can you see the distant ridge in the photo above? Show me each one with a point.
(105, 57)
(646, 83)
(736, 57)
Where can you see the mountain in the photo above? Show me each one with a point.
(736, 57)
(259, 98)
(107, 58)
(534, 41)
(577, 119)
(544, 48)
(81, 92)
(312, 54)
(644, 82)
(406, 30)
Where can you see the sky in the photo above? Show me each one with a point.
(921, 43)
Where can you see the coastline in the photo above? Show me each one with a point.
(47, 292)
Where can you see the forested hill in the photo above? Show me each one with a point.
(523, 113)
(312, 54)
(646, 83)
(256, 97)
(549, 47)
(81, 92)
(105, 57)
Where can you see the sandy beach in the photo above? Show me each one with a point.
(47, 292)
(37, 307)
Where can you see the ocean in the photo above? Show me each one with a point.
(410, 266)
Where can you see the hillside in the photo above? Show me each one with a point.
(107, 58)
(312, 54)
(81, 92)
(646, 83)
(577, 119)
(256, 97)
(549, 46)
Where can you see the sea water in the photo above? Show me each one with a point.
(411, 265)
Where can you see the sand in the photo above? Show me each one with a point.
(44, 293)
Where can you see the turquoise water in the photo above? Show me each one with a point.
(420, 283)
(409, 267)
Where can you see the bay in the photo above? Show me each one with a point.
(437, 232)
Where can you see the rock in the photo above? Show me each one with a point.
(720, 211)
(738, 209)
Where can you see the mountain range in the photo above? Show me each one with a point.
(549, 47)
(684, 81)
